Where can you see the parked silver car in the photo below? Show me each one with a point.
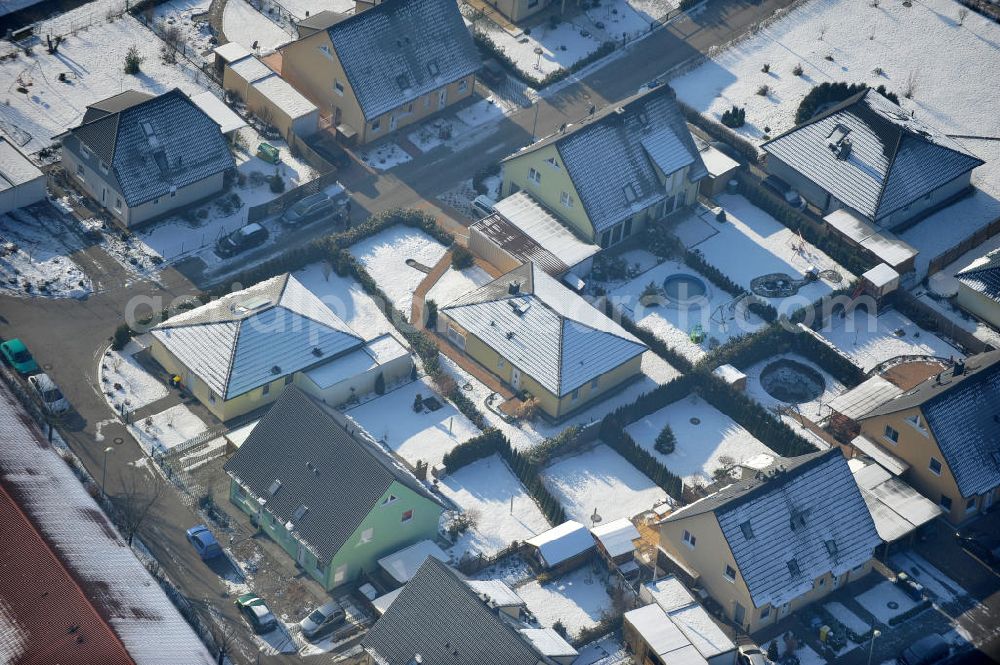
(48, 393)
(322, 620)
(321, 205)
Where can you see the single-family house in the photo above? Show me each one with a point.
(21, 182)
(333, 500)
(947, 432)
(871, 157)
(140, 156)
(615, 171)
(562, 547)
(437, 618)
(769, 544)
(235, 354)
(979, 288)
(541, 338)
(385, 68)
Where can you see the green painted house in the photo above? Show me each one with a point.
(334, 501)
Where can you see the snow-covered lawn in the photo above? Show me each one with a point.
(303, 8)
(243, 24)
(719, 315)
(424, 436)
(456, 283)
(869, 340)
(511, 570)
(885, 601)
(383, 155)
(944, 588)
(167, 429)
(196, 35)
(814, 409)
(40, 265)
(578, 600)
(546, 49)
(345, 298)
(700, 447)
(751, 243)
(600, 479)
(91, 62)
(609, 650)
(384, 256)
(503, 509)
(845, 616)
(127, 384)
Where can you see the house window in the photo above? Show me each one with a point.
(501, 363)
(275, 486)
(970, 505)
(173, 193)
(463, 85)
(534, 176)
(793, 567)
(211, 397)
(821, 582)
(730, 573)
(594, 381)
(79, 172)
(118, 204)
(85, 151)
(917, 423)
(765, 611)
(340, 574)
(156, 201)
(616, 236)
(747, 531)
(551, 161)
(407, 516)
(935, 466)
(338, 87)
(605, 238)
(831, 547)
(389, 499)
(945, 502)
(575, 395)
(104, 167)
(566, 200)
(891, 434)
(265, 389)
(366, 536)
(628, 227)
(376, 124)
(689, 539)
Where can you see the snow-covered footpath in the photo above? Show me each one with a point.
(70, 520)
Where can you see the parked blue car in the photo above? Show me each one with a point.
(204, 542)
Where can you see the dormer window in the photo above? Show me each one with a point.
(403, 81)
(432, 68)
(797, 520)
(630, 193)
(793, 567)
(275, 486)
(747, 531)
(831, 547)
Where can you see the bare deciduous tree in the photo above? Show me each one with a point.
(911, 84)
(962, 13)
(139, 492)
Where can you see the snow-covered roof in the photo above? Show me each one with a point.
(15, 168)
(536, 222)
(799, 519)
(613, 157)
(284, 97)
(699, 627)
(616, 537)
(897, 509)
(400, 50)
(375, 352)
(716, 162)
(217, 110)
(881, 276)
(729, 374)
(864, 397)
(669, 593)
(250, 68)
(885, 245)
(382, 603)
(662, 636)
(548, 642)
(87, 543)
(544, 329)
(872, 155)
(498, 593)
(562, 542)
(983, 275)
(885, 459)
(232, 51)
(255, 336)
(403, 565)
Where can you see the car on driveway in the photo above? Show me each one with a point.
(15, 353)
(750, 654)
(255, 611)
(313, 207)
(204, 542)
(926, 650)
(240, 240)
(492, 73)
(322, 620)
(48, 393)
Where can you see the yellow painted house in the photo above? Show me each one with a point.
(979, 288)
(618, 170)
(538, 336)
(947, 430)
(765, 546)
(385, 68)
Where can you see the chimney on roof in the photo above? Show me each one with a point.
(514, 288)
(959, 368)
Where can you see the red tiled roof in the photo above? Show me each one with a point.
(45, 617)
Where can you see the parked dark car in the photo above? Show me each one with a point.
(926, 650)
(492, 73)
(784, 190)
(322, 620)
(204, 542)
(240, 240)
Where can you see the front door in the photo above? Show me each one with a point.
(442, 97)
(392, 122)
(515, 377)
(739, 614)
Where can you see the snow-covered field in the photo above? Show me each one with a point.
(167, 429)
(579, 600)
(125, 383)
(40, 265)
(91, 62)
(751, 243)
(383, 155)
(869, 341)
(700, 447)
(504, 511)
(947, 61)
(243, 24)
(600, 479)
(195, 35)
(719, 315)
(885, 601)
(847, 617)
(384, 256)
(814, 409)
(456, 283)
(345, 298)
(424, 436)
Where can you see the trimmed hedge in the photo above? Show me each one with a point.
(640, 458)
(476, 448)
(528, 473)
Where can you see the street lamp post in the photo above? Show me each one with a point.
(104, 471)
(871, 645)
